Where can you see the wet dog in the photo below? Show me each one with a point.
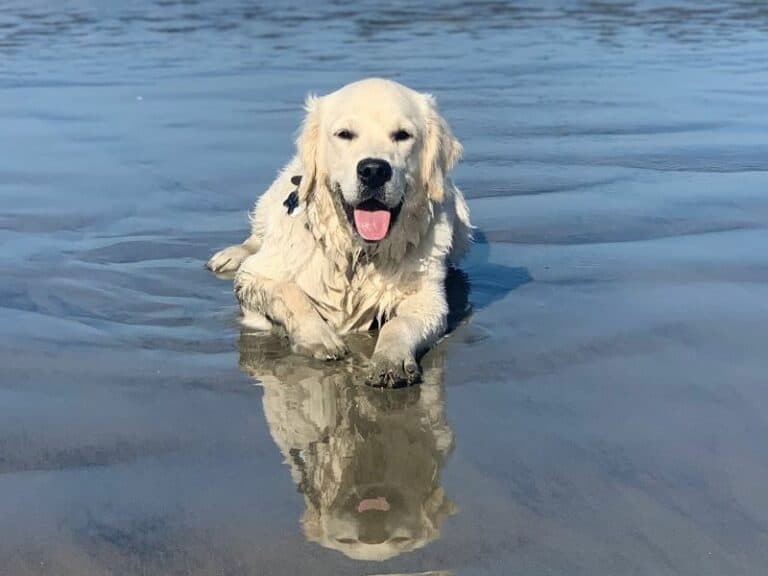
(358, 230)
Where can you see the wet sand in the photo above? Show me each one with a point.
(601, 405)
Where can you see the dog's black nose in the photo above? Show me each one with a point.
(374, 173)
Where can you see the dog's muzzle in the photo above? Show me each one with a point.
(373, 173)
(370, 216)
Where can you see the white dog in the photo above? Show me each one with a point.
(357, 231)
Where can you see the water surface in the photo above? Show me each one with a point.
(603, 411)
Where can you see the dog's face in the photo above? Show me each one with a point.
(369, 136)
(379, 148)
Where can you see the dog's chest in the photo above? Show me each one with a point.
(352, 301)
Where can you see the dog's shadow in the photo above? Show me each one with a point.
(367, 461)
(479, 283)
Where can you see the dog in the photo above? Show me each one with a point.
(358, 230)
(367, 464)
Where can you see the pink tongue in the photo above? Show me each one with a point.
(372, 225)
(379, 503)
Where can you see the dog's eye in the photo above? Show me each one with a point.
(345, 134)
(401, 135)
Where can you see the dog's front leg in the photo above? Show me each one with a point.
(229, 259)
(283, 302)
(419, 321)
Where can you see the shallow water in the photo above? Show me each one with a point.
(603, 411)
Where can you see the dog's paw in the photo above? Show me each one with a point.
(386, 372)
(315, 338)
(228, 260)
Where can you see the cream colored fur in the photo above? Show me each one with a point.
(311, 274)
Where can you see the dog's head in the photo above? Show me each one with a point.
(379, 148)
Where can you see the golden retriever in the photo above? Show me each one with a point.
(357, 231)
(367, 464)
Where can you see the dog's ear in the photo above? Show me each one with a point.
(306, 146)
(440, 151)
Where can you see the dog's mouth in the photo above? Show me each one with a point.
(372, 219)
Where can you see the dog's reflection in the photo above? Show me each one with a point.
(366, 460)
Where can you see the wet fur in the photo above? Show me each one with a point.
(311, 274)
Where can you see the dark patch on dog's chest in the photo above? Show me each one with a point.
(292, 201)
